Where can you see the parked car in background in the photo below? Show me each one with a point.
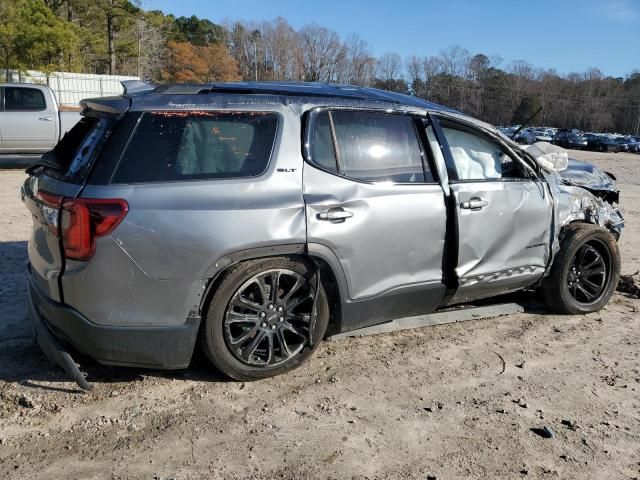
(30, 120)
(543, 135)
(525, 137)
(253, 219)
(603, 143)
(507, 131)
(569, 140)
(625, 144)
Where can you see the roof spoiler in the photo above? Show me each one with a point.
(117, 105)
(136, 86)
(96, 107)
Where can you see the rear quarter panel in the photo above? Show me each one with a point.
(166, 248)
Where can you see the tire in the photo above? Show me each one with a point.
(245, 292)
(563, 291)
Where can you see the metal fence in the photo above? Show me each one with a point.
(70, 88)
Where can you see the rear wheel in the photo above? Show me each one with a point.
(585, 271)
(260, 320)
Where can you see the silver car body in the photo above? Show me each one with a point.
(404, 249)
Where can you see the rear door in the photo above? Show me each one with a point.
(503, 214)
(28, 124)
(373, 202)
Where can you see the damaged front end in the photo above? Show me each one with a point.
(582, 192)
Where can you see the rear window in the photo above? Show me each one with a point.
(80, 145)
(175, 146)
(23, 100)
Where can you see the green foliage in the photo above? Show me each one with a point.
(197, 31)
(33, 37)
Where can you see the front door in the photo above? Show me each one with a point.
(373, 203)
(504, 216)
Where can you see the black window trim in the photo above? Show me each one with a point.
(307, 144)
(22, 88)
(274, 148)
(452, 171)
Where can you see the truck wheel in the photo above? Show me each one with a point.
(258, 320)
(585, 271)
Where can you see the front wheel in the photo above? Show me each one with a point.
(260, 321)
(585, 271)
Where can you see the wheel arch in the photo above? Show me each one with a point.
(331, 273)
(581, 231)
(587, 221)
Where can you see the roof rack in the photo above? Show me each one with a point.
(278, 88)
(298, 89)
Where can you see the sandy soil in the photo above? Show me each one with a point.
(429, 403)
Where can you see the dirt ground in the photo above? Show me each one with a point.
(429, 403)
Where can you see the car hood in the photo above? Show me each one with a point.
(570, 171)
(587, 175)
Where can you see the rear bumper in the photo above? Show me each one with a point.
(150, 347)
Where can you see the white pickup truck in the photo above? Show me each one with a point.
(30, 121)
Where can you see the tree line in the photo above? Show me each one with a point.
(119, 37)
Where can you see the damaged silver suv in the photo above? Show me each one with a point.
(257, 218)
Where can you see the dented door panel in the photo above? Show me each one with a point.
(393, 237)
(504, 238)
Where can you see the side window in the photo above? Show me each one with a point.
(478, 158)
(370, 146)
(435, 146)
(323, 152)
(174, 146)
(23, 100)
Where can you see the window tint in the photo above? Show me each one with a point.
(172, 146)
(23, 99)
(478, 158)
(371, 146)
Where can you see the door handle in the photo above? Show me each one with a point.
(335, 215)
(46, 119)
(475, 203)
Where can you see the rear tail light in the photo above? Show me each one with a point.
(79, 221)
(50, 208)
(82, 220)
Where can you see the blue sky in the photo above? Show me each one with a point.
(568, 35)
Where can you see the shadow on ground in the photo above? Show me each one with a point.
(22, 361)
